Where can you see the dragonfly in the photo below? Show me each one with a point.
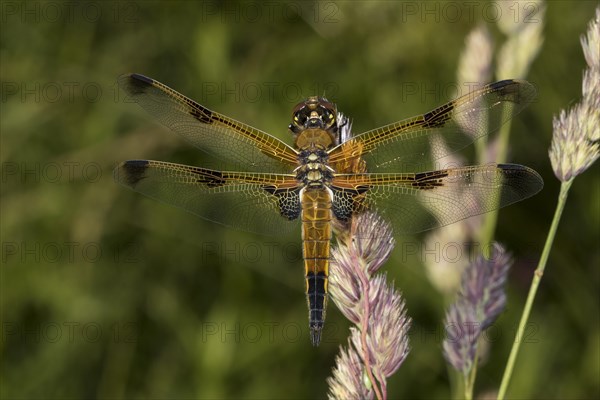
(328, 174)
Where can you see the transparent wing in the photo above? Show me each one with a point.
(255, 202)
(214, 133)
(422, 201)
(406, 145)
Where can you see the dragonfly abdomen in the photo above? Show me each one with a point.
(316, 237)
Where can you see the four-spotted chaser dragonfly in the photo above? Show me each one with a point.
(330, 174)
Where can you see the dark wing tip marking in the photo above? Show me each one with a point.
(134, 84)
(515, 90)
(501, 85)
(131, 172)
(137, 84)
(315, 335)
(526, 178)
(143, 78)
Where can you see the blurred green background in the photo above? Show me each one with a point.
(108, 294)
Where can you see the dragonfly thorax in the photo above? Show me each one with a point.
(314, 170)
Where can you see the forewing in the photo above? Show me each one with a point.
(423, 201)
(214, 133)
(254, 202)
(407, 146)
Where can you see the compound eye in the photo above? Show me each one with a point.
(300, 118)
(327, 116)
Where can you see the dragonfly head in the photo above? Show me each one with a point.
(314, 113)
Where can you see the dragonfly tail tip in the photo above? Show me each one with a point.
(315, 335)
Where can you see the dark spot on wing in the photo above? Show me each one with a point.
(135, 84)
(523, 180)
(344, 203)
(209, 177)
(142, 78)
(438, 117)
(201, 113)
(509, 90)
(133, 171)
(502, 86)
(429, 180)
(288, 201)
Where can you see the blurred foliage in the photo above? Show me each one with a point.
(107, 294)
